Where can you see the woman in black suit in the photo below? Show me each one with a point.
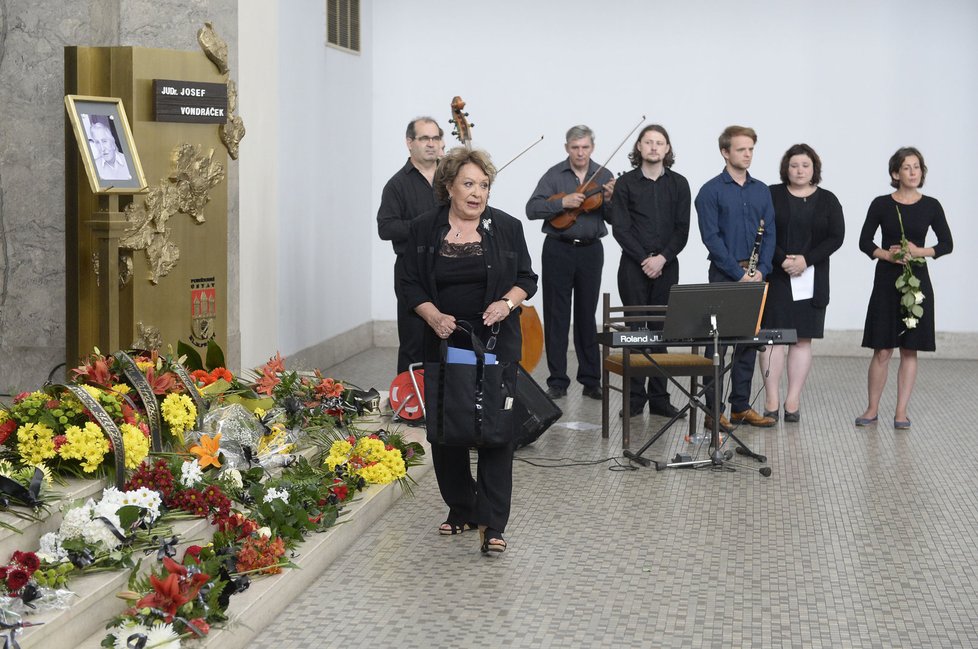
(810, 227)
(469, 261)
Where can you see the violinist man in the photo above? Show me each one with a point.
(406, 195)
(572, 259)
(729, 209)
(650, 220)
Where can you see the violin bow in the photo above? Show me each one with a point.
(519, 154)
(617, 148)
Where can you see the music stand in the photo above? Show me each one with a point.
(699, 313)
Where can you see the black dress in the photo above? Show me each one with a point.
(794, 236)
(813, 227)
(884, 327)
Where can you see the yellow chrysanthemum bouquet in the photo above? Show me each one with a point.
(367, 457)
(55, 430)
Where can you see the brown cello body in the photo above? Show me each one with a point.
(532, 331)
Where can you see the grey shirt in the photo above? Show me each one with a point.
(560, 178)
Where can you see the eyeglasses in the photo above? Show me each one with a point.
(491, 343)
(426, 139)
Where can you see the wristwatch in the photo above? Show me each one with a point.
(510, 304)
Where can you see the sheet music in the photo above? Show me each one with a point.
(803, 286)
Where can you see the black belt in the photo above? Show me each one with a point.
(577, 243)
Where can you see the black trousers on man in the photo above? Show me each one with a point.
(742, 364)
(410, 326)
(571, 273)
(637, 289)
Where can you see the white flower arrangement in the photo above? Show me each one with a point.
(273, 493)
(191, 473)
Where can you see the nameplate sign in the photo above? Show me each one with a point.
(190, 101)
(635, 338)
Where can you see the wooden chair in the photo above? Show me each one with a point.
(634, 363)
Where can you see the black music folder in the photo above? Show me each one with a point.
(738, 307)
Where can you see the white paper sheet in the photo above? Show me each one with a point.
(803, 286)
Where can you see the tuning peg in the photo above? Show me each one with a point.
(471, 125)
(466, 114)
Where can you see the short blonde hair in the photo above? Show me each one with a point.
(731, 132)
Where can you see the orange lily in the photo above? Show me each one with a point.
(207, 451)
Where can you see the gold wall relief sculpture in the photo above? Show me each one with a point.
(116, 298)
(184, 191)
(232, 131)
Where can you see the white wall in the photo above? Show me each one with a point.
(855, 80)
(259, 222)
(306, 233)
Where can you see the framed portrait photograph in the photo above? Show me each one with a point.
(106, 145)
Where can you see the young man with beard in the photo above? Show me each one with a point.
(650, 220)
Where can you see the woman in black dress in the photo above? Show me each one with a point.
(887, 327)
(469, 261)
(810, 227)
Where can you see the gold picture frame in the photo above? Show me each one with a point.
(106, 145)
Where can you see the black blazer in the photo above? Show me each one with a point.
(828, 232)
(507, 265)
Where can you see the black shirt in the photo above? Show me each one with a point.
(651, 217)
(406, 195)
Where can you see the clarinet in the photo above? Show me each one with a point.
(756, 252)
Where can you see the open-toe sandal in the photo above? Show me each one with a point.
(448, 528)
(492, 541)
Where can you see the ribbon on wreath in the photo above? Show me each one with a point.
(96, 410)
(10, 640)
(191, 388)
(167, 547)
(138, 380)
(27, 496)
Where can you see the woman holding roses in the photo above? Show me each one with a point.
(903, 218)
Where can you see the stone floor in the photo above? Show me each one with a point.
(860, 537)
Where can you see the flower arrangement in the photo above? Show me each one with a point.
(44, 430)
(911, 297)
(18, 572)
(367, 457)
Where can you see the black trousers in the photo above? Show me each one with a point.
(486, 499)
(636, 289)
(571, 274)
(742, 370)
(410, 326)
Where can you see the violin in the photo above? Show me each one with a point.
(593, 199)
(593, 192)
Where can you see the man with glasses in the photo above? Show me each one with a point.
(572, 261)
(406, 195)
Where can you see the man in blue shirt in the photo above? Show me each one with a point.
(730, 208)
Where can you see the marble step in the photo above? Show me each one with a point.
(83, 625)
(28, 533)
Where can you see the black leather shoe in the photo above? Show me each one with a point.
(593, 392)
(633, 410)
(556, 393)
(669, 411)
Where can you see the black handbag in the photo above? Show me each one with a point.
(468, 404)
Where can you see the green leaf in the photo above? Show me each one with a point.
(128, 515)
(193, 361)
(914, 282)
(901, 282)
(917, 310)
(215, 356)
(907, 300)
